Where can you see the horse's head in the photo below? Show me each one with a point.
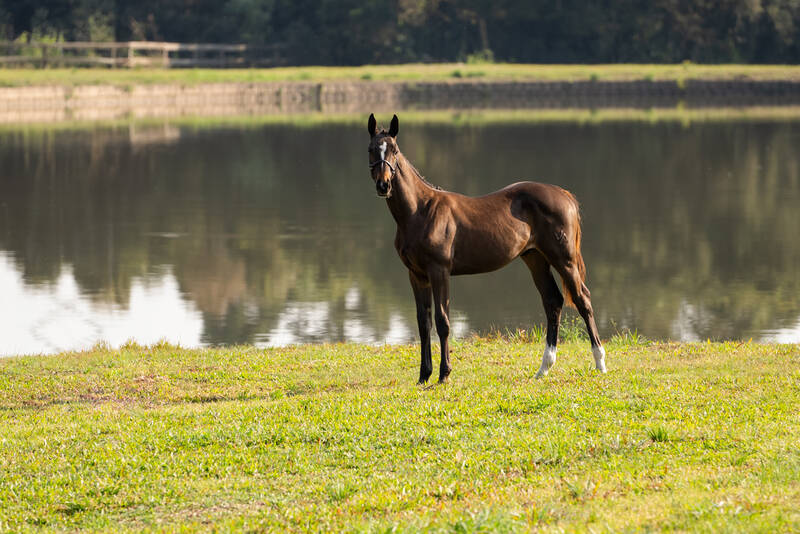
(383, 155)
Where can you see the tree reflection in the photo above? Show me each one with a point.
(688, 231)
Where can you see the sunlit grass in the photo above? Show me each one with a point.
(408, 72)
(460, 118)
(690, 437)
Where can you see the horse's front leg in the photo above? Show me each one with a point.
(422, 297)
(440, 283)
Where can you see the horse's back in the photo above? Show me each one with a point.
(533, 203)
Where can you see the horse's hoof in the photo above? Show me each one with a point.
(444, 376)
(423, 378)
(599, 354)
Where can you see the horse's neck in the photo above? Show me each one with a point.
(409, 193)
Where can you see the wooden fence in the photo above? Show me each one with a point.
(138, 54)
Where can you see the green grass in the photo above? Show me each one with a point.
(685, 116)
(698, 437)
(13, 77)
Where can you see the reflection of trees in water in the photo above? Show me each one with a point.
(249, 220)
(715, 226)
(684, 227)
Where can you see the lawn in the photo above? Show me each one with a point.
(16, 77)
(687, 437)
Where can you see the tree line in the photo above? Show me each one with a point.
(352, 32)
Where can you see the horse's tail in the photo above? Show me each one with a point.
(576, 247)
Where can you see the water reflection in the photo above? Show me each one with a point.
(273, 235)
(56, 316)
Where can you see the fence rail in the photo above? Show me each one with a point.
(139, 54)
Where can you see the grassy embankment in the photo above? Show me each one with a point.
(11, 77)
(127, 78)
(684, 116)
(697, 437)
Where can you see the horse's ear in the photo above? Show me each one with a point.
(394, 126)
(372, 125)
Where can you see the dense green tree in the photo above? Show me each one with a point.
(390, 31)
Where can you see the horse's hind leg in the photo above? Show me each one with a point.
(552, 301)
(582, 300)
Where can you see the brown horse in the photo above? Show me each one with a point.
(440, 234)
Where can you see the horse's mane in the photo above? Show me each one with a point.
(419, 174)
(411, 165)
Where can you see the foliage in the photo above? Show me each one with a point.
(392, 31)
(685, 437)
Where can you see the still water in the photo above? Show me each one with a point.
(273, 234)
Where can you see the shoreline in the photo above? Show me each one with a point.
(91, 103)
(469, 117)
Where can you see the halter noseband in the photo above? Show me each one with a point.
(380, 162)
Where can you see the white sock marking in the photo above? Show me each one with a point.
(599, 358)
(548, 359)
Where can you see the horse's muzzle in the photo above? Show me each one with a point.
(383, 188)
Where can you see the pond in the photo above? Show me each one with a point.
(272, 234)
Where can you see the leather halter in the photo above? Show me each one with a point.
(382, 161)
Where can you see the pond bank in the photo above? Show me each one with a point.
(59, 103)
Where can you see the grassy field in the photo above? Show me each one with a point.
(11, 77)
(685, 437)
